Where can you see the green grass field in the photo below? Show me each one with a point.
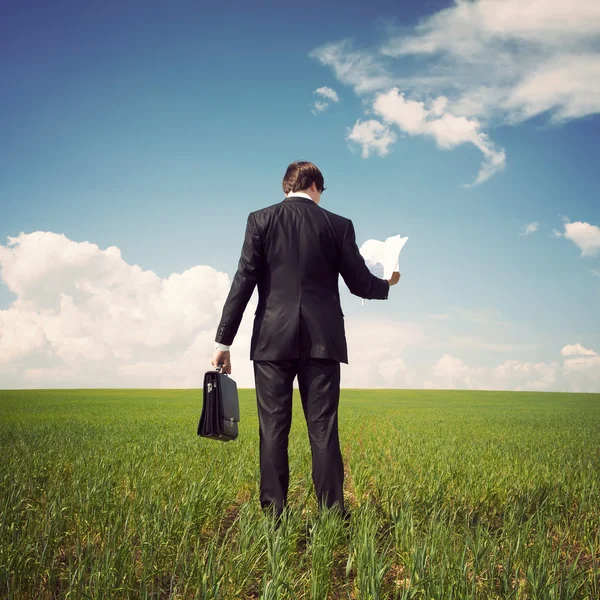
(110, 494)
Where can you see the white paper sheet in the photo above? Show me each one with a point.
(382, 258)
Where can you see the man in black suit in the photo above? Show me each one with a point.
(294, 251)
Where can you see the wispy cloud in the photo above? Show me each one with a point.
(319, 106)
(480, 63)
(519, 58)
(477, 343)
(490, 316)
(329, 94)
(530, 228)
(362, 70)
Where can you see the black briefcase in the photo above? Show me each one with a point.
(220, 407)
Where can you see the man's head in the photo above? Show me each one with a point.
(304, 176)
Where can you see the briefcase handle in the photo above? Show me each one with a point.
(219, 368)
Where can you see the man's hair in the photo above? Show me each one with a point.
(300, 175)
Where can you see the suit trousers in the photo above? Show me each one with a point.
(319, 384)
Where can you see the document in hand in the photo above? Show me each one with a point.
(382, 258)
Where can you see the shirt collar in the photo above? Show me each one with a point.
(299, 195)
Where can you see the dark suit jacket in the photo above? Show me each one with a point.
(294, 252)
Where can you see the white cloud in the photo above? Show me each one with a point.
(449, 373)
(385, 365)
(328, 93)
(576, 350)
(452, 373)
(486, 62)
(414, 118)
(373, 136)
(526, 375)
(518, 58)
(595, 272)
(467, 27)
(380, 365)
(584, 235)
(530, 228)
(84, 317)
(578, 374)
(582, 366)
(325, 92)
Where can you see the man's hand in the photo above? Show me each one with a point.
(395, 278)
(224, 358)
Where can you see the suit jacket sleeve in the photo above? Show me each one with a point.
(243, 284)
(360, 281)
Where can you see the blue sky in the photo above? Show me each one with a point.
(157, 128)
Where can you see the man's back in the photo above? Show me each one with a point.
(294, 251)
